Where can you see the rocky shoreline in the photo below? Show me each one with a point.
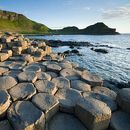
(41, 90)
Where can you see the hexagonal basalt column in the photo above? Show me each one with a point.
(93, 113)
(23, 115)
(47, 103)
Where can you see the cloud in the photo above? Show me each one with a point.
(118, 12)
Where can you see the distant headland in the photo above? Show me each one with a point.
(14, 22)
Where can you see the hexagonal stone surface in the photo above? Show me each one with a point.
(123, 99)
(47, 103)
(46, 86)
(4, 101)
(43, 76)
(120, 121)
(6, 63)
(12, 73)
(93, 113)
(70, 74)
(62, 121)
(80, 85)
(17, 65)
(27, 76)
(4, 125)
(93, 80)
(22, 91)
(35, 68)
(23, 115)
(7, 82)
(65, 65)
(109, 101)
(3, 70)
(53, 67)
(68, 99)
(105, 91)
(61, 82)
(53, 74)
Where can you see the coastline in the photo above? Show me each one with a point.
(37, 84)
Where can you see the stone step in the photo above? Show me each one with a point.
(94, 114)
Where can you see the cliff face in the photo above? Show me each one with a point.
(10, 21)
(5, 15)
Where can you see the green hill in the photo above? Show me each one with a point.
(10, 21)
(96, 29)
(99, 29)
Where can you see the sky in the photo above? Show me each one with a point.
(81, 13)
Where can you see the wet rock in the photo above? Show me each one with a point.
(75, 51)
(4, 125)
(80, 85)
(70, 74)
(111, 86)
(46, 86)
(94, 114)
(43, 76)
(123, 99)
(27, 76)
(93, 80)
(23, 115)
(61, 82)
(62, 121)
(99, 96)
(68, 99)
(4, 102)
(22, 91)
(104, 51)
(105, 91)
(47, 103)
(7, 82)
(34, 68)
(3, 70)
(120, 121)
(53, 67)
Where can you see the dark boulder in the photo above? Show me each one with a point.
(75, 51)
(100, 50)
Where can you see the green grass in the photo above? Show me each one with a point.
(22, 25)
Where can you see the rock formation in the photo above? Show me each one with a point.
(41, 90)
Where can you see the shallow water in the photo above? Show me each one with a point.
(114, 65)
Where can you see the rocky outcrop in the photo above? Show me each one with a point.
(54, 94)
(24, 115)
